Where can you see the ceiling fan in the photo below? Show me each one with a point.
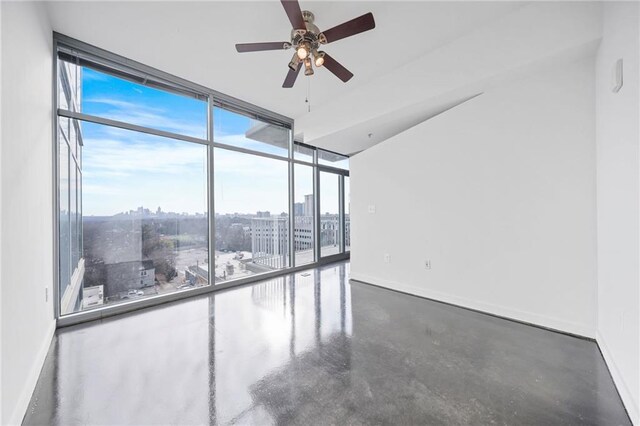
(306, 38)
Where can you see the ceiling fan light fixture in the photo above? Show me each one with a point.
(308, 69)
(295, 62)
(303, 50)
(318, 59)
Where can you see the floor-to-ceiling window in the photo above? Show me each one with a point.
(166, 187)
(304, 215)
(347, 214)
(329, 214)
(334, 205)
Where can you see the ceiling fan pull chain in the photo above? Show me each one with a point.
(308, 95)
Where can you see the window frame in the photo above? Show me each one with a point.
(166, 81)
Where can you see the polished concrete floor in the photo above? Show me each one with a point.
(312, 348)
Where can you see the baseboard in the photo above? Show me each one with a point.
(30, 383)
(618, 379)
(530, 318)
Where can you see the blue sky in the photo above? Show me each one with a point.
(123, 170)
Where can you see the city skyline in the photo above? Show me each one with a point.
(160, 211)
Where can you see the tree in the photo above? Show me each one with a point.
(161, 251)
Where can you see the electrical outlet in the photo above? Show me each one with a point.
(387, 258)
(372, 208)
(427, 264)
(46, 294)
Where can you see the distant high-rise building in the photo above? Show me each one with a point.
(270, 234)
(308, 205)
(329, 230)
(270, 241)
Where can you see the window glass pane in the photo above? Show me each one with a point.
(329, 214)
(235, 129)
(69, 86)
(63, 128)
(251, 218)
(68, 129)
(73, 210)
(334, 160)
(145, 215)
(79, 212)
(65, 237)
(347, 214)
(63, 100)
(304, 214)
(303, 153)
(73, 138)
(105, 95)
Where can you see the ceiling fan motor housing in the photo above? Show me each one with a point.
(311, 35)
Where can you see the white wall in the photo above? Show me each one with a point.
(499, 193)
(618, 171)
(1, 218)
(26, 220)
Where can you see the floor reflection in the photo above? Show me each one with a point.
(260, 347)
(218, 358)
(312, 348)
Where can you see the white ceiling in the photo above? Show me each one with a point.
(534, 36)
(195, 41)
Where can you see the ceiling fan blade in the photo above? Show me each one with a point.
(257, 47)
(292, 8)
(355, 26)
(290, 79)
(336, 68)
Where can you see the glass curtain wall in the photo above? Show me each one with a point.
(347, 214)
(304, 241)
(163, 188)
(329, 214)
(334, 229)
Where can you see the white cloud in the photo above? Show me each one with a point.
(133, 155)
(148, 116)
